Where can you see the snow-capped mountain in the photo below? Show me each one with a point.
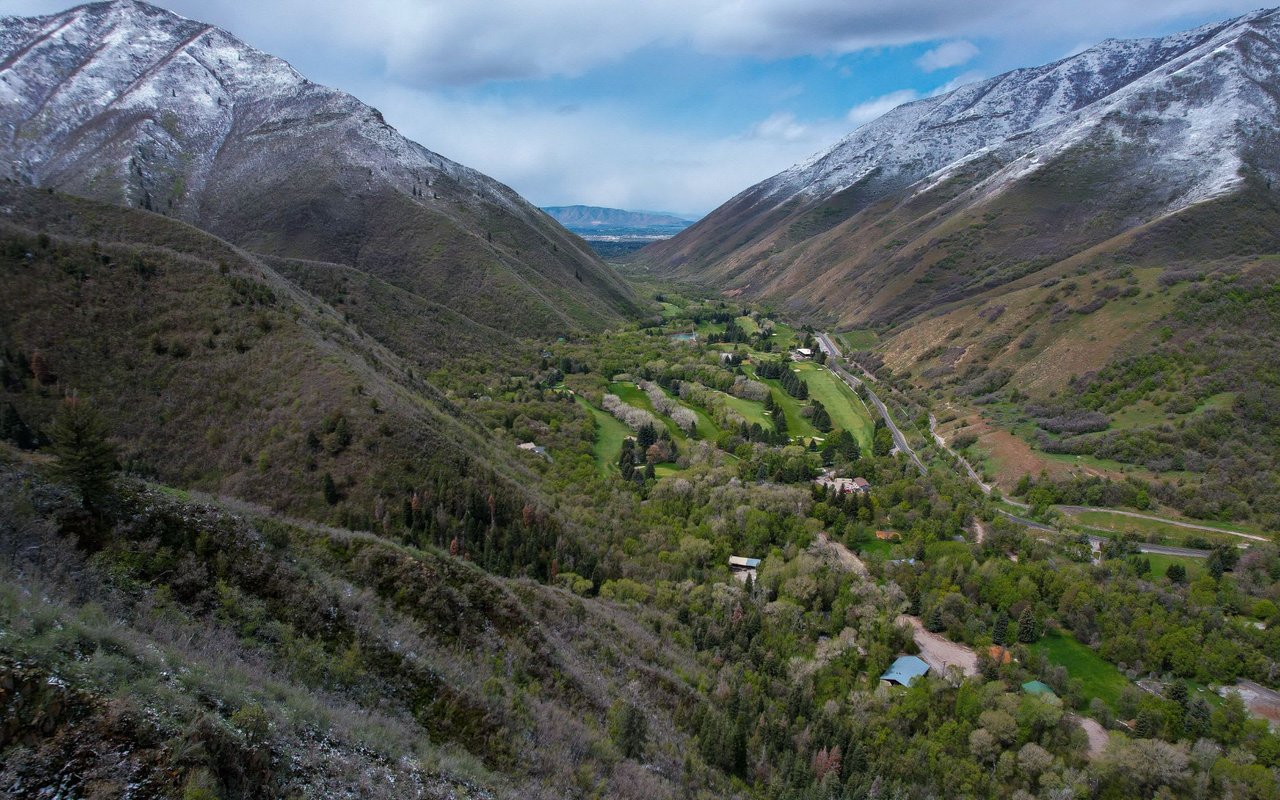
(126, 102)
(1119, 136)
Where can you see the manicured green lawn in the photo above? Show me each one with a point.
(1099, 678)
(796, 424)
(784, 337)
(846, 409)
(748, 325)
(1160, 563)
(752, 411)
(876, 547)
(706, 428)
(609, 436)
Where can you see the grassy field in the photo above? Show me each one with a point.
(748, 325)
(1099, 678)
(609, 435)
(846, 409)
(1146, 527)
(858, 340)
(1160, 563)
(796, 424)
(876, 547)
(706, 428)
(749, 409)
(784, 337)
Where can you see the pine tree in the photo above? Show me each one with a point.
(934, 622)
(330, 489)
(1000, 630)
(628, 729)
(1028, 631)
(86, 459)
(13, 428)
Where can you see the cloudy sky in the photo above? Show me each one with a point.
(659, 104)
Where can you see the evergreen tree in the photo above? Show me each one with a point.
(934, 622)
(330, 489)
(1176, 573)
(1198, 716)
(628, 729)
(86, 459)
(1000, 630)
(14, 429)
(1028, 631)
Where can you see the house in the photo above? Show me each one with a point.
(1036, 687)
(802, 352)
(905, 670)
(843, 485)
(742, 567)
(535, 448)
(888, 536)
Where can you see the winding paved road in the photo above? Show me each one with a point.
(833, 362)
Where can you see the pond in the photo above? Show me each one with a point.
(684, 337)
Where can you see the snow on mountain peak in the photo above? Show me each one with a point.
(1017, 112)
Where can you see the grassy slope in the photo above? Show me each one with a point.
(609, 436)
(1100, 679)
(846, 409)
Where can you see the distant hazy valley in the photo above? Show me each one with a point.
(613, 232)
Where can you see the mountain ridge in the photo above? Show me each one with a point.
(128, 103)
(586, 217)
(1169, 118)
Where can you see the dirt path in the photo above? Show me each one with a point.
(940, 652)
(1262, 702)
(973, 473)
(1097, 734)
(825, 545)
(979, 531)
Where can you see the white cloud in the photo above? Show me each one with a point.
(972, 76)
(782, 125)
(459, 42)
(877, 107)
(945, 56)
(602, 155)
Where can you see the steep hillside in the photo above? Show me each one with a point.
(131, 104)
(221, 374)
(201, 651)
(950, 197)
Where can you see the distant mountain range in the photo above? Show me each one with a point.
(580, 219)
(612, 232)
(131, 104)
(995, 185)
